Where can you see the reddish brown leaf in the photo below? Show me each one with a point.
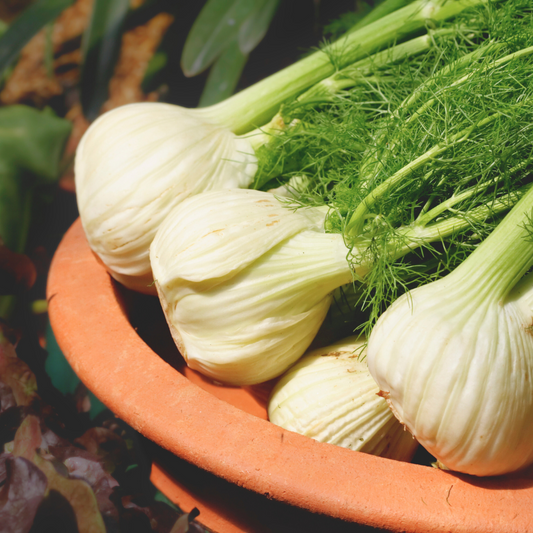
(21, 495)
(27, 438)
(78, 493)
(105, 444)
(7, 398)
(15, 373)
(17, 271)
(101, 482)
(4, 456)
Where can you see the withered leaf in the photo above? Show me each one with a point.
(21, 495)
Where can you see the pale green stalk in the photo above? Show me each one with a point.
(373, 164)
(420, 233)
(386, 7)
(505, 256)
(462, 62)
(357, 220)
(359, 71)
(355, 225)
(258, 104)
(461, 81)
(427, 215)
(350, 76)
(408, 238)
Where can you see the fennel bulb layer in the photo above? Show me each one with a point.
(454, 358)
(457, 372)
(245, 282)
(330, 396)
(135, 164)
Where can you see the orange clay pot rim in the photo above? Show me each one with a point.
(155, 399)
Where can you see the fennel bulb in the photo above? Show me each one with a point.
(436, 159)
(134, 164)
(454, 358)
(330, 396)
(245, 282)
(137, 162)
(232, 295)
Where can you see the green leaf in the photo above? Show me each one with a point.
(224, 75)
(49, 50)
(32, 141)
(160, 497)
(152, 74)
(381, 10)
(101, 47)
(217, 25)
(63, 378)
(26, 26)
(12, 207)
(256, 25)
(31, 146)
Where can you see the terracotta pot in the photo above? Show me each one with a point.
(118, 345)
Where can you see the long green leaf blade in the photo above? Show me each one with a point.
(26, 26)
(224, 75)
(380, 11)
(256, 25)
(152, 75)
(101, 47)
(215, 27)
(31, 146)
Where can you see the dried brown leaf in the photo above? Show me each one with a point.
(29, 81)
(138, 47)
(16, 374)
(21, 495)
(78, 493)
(28, 438)
(16, 271)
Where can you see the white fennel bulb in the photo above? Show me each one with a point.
(135, 164)
(454, 358)
(245, 282)
(330, 396)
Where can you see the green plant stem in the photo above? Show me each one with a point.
(386, 7)
(359, 71)
(428, 215)
(425, 234)
(457, 65)
(257, 104)
(355, 225)
(49, 49)
(407, 239)
(505, 256)
(350, 76)
(372, 163)
(18, 243)
(465, 78)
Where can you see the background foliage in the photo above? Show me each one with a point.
(62, 64)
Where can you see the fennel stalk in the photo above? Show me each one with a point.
(417, 172)
(454, 357)
(256, 105)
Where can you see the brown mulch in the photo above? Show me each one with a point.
(34, 82)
